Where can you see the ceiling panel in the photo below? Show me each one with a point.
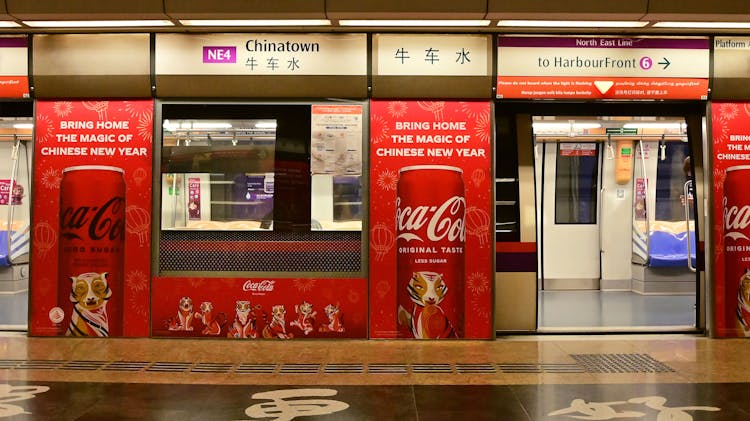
(699, 10)
(85, 9)
(567, 9)
(245, 9)
(406, 9)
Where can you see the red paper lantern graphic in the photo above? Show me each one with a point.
(478, 224)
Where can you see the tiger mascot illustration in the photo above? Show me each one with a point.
(427, 320)
(743, 305)
(245, 323)
(277, 327)
(213, 322)
(89, 294)
(305, 317)
(335, 319)
(184, 318)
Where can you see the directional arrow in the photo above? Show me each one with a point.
(666, 63)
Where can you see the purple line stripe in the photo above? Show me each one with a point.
(605, 42)
(14, 42)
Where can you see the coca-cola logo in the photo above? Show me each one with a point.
(444, 221)
(262, 286)
(100, 222)
(736, 218)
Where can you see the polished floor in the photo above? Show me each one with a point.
(600, 377)
(587, 310)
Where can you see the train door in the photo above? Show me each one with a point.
(616, 244)
(15, 178)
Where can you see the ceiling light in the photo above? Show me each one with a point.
(448, 22)
(561, 126)
(95, 23)
(653, 125)
(265, 125)
(8, 24)
(702, 25)
(23, 126)
(574, 23)
(257, 22)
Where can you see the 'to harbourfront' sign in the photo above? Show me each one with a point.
(592, 67)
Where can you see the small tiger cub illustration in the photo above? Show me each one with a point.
(277, 327)
(245, 322)
(89, 293)
(335, 319)
(743, 304)
(184, 318)
(427, 320)
(305, 317)
(212, 322)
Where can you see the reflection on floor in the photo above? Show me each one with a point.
(676, 377)
(614, 310)
(14, 310)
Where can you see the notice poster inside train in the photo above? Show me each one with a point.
(259, 308)
(430, 206)
(731, 163)
(91, 225)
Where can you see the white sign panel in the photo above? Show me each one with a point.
(732, 57)
(603, 56)
(261, 54)
(431, 55)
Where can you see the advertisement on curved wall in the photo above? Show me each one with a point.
(91, 220)
(430, 204)
(731, 163)
(259, 308)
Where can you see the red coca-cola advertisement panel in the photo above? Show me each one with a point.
(731, 162)
(430, 206)
(259, 308)
(91, 224)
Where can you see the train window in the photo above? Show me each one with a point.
(576, 183)
(254, 184)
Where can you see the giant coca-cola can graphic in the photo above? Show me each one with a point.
(430, 241)
(91, 252)
(737, 246)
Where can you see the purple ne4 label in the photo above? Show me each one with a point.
(216, 54)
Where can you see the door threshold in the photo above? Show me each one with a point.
(618, 329)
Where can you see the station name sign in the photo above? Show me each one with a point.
(432, 55)
(261, 54)
(593, 67)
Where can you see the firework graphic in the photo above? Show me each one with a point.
(44, 129)
(137, 306)
(304, 285)
(728, 111)
(138, 108)
(723, 132)
(145, 123)
(397, 108)
(388, 180)
(469, 109)
(62, 108)
(477, 283)
(482, 128)
(136, 281)
(379, 130)
(51, 178)
(478, 307)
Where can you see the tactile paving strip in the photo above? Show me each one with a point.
(591, 363)
(620, 363)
